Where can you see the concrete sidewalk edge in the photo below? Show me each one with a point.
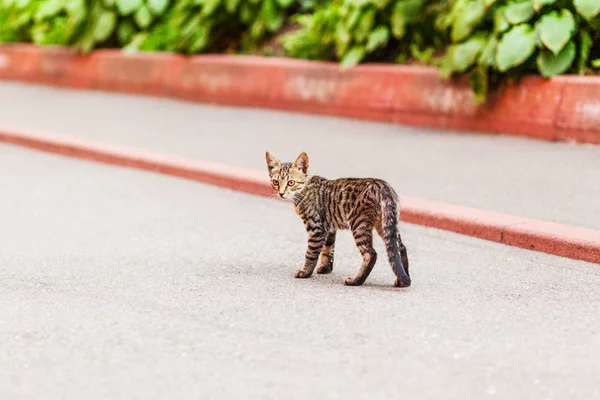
(565, 108)
(543, 236)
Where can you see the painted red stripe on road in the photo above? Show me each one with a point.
(548, 237)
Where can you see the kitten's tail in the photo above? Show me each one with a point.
(391, 234)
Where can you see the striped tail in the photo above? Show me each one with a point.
(391, 234)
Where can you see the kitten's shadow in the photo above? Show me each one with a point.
(331, 280)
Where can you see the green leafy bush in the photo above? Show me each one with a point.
(511, 38)
(489, 39)
(79, 23)
(193, 26)
(376, 30)
(13, 23)
(185, 26)
(315, 40)
(43, 22)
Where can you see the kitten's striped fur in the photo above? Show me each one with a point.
(325, 206)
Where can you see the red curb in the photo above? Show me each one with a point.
(234, 81)
(564, 108)
(20, 62)
(579, 114)
(548, 237)
(143, 73)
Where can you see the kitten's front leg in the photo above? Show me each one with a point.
(316, 241)
(326, 266)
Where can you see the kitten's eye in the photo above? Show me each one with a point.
(291, 183)
(275, 182)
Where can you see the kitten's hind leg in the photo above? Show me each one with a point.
(326, 266)
(363, 236)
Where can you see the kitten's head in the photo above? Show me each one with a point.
(288, 179)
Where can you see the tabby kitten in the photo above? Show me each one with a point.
(325, 206)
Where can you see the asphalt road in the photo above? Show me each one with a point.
(122, 284)
(550, 181)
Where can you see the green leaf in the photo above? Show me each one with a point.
(515, 47)
(200, 39)
(468, 20)
(209, 6)
(353, 18)
(75, 6)
(246, 12)
(587, 8)
(550, 64)
(501, 24)
(191, 26)
(342, 39)
(378, 38)
(137, 40)
(411, 10)
(86, 41)
(272, 15)
(488, 54)
(39, 32)
(424, 55)
(127, 7)
(555, 30)
(143, 17)
(517, 13)
(353, 57)
(48, 8)
(77, 10)
(231, 5)
(360, 3)
(125, 31)
(364, 25)
(377, 3)
(257, 29)
(285, 3)
(585, 47)
(596, 63)
(460, 57)
(457, 8)
(157, 6)
(538, 4)
(104, 25)
(398, 23)
(479, 83)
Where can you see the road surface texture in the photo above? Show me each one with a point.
(550, 181)
(122, 284)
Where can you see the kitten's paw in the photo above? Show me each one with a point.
(352, 282)
(325, 269)
(301, 274)
(403, 281)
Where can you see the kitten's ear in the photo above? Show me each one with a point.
(302, 163)
(272, 162)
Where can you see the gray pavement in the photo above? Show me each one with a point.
(552, 181)
(122, 284)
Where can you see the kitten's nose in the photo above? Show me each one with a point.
(281, 195)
